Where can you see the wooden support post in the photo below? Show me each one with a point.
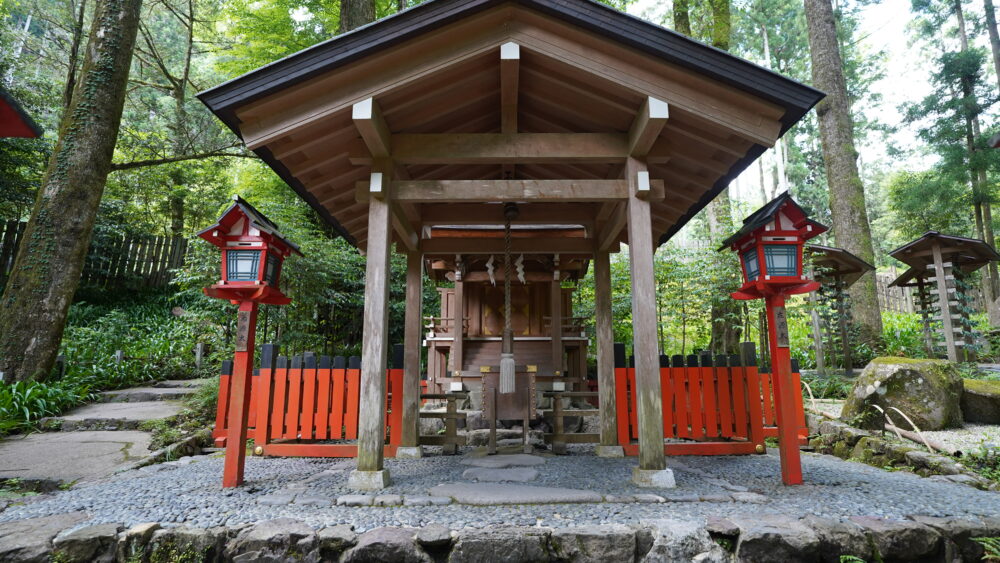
(370, 473)
(647, 358)
(458, 326)
(943, 304)
(555, 312)
(845, 334)
(605, 348)
(510, 59)
(784, 391)
(239, 395)
(411, 348)
(924, 299)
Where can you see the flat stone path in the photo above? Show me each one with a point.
(66, 457)
(501, 461)
(143, 394)
(518, 474)
(126, 415)
(504, 493)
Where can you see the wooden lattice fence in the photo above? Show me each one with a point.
(113, 259)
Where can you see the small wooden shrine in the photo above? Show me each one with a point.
(420, 129)
(836, 269)
(939, 265)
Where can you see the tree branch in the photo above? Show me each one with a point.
(118, 166)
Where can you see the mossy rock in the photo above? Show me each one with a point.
(981, 401)
(928, 391)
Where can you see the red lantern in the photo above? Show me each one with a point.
(252, 253)
(770, 249)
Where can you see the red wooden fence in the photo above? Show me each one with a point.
(770, 420)
(299, 408)
(710, 407)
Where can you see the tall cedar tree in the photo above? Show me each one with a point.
(356, 13)
(847, 194)
(47, 268)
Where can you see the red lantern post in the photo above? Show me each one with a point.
(770, 249)
(252, 253)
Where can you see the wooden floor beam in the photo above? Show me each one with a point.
(535, 191)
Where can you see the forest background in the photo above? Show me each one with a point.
(922, 153)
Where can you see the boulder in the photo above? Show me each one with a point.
(900, 540)
(335, 540)
(681, 540)
(186, 544)
(87, 544)
(928, 391)
(594, 543)
(774, 537)
(501, 545)
(981, 401)
(387, 544)
(31, 539)
(275, 540)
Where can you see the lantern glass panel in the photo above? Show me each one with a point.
(242, 265)
(272, 269)
(751, 264)
(781, 259)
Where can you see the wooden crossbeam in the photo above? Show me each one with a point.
(612, 228)
(430, 191)
(368, 119)
(518, 246)
(503, 148)
(528, 214)
(647, 126)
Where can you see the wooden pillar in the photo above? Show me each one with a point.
(411, 348)
(944, 303)
(458, 326)
(605, 347)
(239, 395)
(784, 391)
(375, 341)
(845, 334)
(647, 358)
(555, 313)
(924, 300)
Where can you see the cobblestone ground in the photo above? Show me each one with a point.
(188, 491)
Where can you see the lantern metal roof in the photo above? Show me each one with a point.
(14, 121)
(768, 212)
(259, 221)
(838, 262)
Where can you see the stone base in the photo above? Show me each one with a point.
(369, 480)
(609, 451)
(659, 478)
(409, 452)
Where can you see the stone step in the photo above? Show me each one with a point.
(68, 457)
(146, 394)
(113, 416)
(174, 383)
(503, 493)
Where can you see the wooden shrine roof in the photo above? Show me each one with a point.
(14, 121)
(838, 262)
(968, 253)
(443, 90)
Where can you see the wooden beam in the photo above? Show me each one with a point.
(647, 359)
(605, 348)
(412, 335)
(537, 191)
(504, 148)
(375, 337)
(456, 354)
(492, 214)
(612, 230)
(510, 59)
(647, 126)
(518, 246)
(368, 119)
(555, 321)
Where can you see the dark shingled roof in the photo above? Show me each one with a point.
(257, 219)
(970, 251)
(840, 263)
(14, 121)
(763, 216)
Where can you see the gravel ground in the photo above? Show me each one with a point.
(967, 439)
(189, 492)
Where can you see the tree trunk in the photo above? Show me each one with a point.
(682, 19)
(847, 195)
(47, 268)
(74, 55)
(356, 13)
(991, 28)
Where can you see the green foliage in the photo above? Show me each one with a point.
(991, 547)
(25, 402)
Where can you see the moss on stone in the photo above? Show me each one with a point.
(985, 387)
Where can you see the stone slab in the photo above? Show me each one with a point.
(31, 539)
(425, 500)
(70, 456)
(654, 478)
(144, 394)
(502, 461)
(488, 474)
(142, 411)
(195, 383)
(369, 480)
(500, 493)
(355, 500)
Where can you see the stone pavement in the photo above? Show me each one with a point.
(92, 441)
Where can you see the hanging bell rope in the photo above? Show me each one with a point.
(510, 212)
